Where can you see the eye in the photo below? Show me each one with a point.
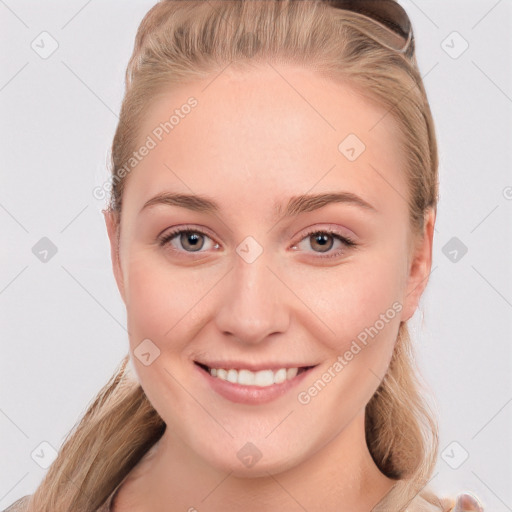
(323, 241)
(191, 240)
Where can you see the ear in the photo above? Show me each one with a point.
(112, 222)
(420, 266)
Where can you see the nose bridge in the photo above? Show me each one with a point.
(253, 304)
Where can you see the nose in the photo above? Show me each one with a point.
(253, 304)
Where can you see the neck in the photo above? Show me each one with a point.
(339, 476)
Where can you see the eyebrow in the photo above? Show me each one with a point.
(296, 204)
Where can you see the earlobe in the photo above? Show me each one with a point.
(420, 267)
(112, 223)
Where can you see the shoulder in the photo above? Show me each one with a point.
(19, 505)
(463, 502)
(430, 503)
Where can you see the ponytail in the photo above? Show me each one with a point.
(116, 431)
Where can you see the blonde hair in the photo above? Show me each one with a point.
(179, 41)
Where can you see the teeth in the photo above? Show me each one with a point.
(248, 378)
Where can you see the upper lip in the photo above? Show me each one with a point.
(227, 365)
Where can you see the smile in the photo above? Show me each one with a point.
(262, 378)
(242, 385)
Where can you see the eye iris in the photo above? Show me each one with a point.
(186, 236)
(322, 237)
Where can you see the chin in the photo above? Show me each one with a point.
(262, 468)
(251, 460)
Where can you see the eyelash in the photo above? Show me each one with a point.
(347, 241)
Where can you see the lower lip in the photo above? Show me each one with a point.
(252, 395)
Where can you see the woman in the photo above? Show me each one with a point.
(266, 374)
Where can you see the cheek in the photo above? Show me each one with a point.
(164, 301)
(363, 311)
(151, 304)
(167, 302)
(362, 306)
(357, 298)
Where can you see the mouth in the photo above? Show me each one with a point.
(253, 387)
(262, 378)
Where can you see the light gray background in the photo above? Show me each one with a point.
(62, 329)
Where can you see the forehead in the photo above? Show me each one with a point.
(267, 133)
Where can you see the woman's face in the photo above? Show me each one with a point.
(251, 287)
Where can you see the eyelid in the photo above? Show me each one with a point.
(332, 228)
(348, 243)
(348, 240)
(164, 237)
(185, 227)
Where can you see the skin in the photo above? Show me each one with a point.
(255, 138)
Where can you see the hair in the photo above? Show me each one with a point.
(181, 41)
